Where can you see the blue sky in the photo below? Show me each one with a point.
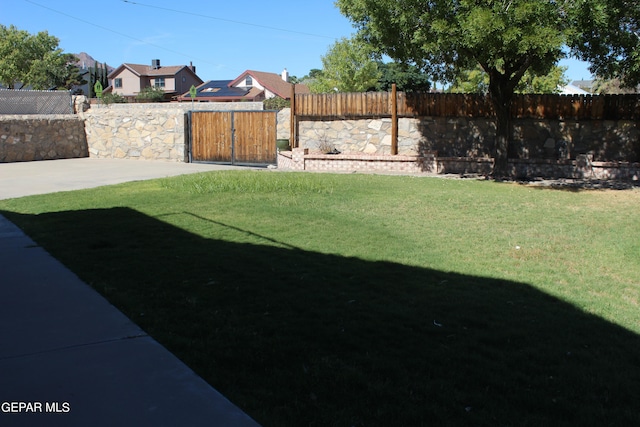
(222, 39)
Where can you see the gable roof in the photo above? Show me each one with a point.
(272, 82)
(141, 70)
(572, 90)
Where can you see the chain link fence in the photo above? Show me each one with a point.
(35, 102)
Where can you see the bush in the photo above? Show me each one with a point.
(276, 103)
(151, 94)
(113, 98)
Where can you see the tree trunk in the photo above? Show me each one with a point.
(503, 137)
(501, 91)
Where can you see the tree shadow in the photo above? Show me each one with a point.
(456, 136)
(578, 185)
(295, 337)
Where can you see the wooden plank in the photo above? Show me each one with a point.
(255, 137)
(394, 120)
(211, 136)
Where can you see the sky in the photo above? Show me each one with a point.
(222, 38)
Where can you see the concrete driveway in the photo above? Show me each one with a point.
(50, 176)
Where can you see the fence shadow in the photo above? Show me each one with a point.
(303, 338)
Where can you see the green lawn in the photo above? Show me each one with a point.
(361, 300)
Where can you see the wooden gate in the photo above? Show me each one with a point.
(236, 137)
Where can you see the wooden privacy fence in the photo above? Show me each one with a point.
(382, 104)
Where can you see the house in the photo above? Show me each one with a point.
(572, 89)
(248, 86)
(586, 85)
(129, 79)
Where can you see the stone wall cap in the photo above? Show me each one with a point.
(13, 117)
(467, 159)
(363, 157)
(616, 164)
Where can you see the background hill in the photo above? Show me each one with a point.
(87, 61)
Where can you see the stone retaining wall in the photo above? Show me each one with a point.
(371, 136)
(41, 137)
(475, 137)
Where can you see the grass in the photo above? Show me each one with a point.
(360, 300)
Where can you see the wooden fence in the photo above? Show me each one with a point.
(382, 104)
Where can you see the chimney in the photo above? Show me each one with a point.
(285, 75)
(155, 64)
(192, 67)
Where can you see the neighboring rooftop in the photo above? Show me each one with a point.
(251, 85)
(155, 69)
(586, 85)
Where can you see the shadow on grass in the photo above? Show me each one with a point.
(298, 338)
(577, 185)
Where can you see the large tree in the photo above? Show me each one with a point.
(506, 38)
(33, 60)
(347, 67)
(610, 38)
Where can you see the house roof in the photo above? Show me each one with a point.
(583, 84)
(226, 90)
(272, 82)
(149, 71)
(572, 90)
(221, 90)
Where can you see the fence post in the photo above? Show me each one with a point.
(394, 120)
(293, 140)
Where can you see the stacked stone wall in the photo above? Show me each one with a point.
(41, 137)
(284, 124)
(475, 138)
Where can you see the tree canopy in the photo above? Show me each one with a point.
(347, 67)
(407, 78)
(477, 81)
(34, 60)
(610, 39)
(506, 38)
(612, 87)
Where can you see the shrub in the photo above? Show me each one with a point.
(151, 94)
(276, 103)
(113, 98)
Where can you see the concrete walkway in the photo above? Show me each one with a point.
(67, 356)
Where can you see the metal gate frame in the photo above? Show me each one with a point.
(233, 136)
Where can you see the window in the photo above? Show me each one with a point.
(117, 83)
(248, 81)
(159, 82)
